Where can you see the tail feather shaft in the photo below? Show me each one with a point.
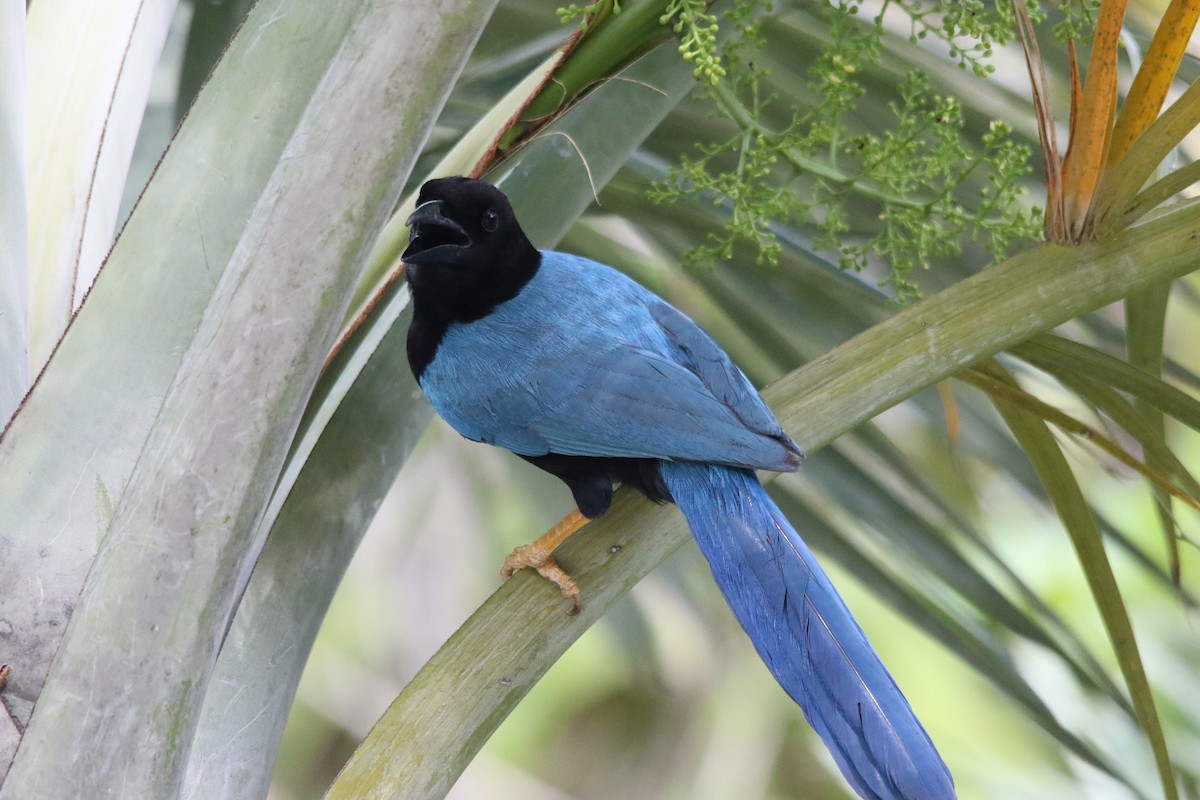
(806, 635)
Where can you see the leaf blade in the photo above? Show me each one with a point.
(1083, 165)
(14, 231)
(212, 453)
(145, 307)
(86, 117)
(1155, 75)
(1068, 500)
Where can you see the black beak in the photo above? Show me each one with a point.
(433, 236)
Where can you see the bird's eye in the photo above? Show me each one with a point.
(490, 221)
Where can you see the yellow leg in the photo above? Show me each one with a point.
(537, 555)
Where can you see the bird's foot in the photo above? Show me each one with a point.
(530, 555)
(537, 555)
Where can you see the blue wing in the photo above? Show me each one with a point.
(696, 350)
(586, 362)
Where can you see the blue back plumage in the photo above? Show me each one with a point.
(584, 361)
(806, 635)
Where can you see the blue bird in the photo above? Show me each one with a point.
(589, 376)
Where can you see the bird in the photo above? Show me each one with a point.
(578, 369)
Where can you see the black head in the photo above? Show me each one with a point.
(466, 255)
(466, 252)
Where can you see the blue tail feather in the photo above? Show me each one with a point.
(806, 635)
